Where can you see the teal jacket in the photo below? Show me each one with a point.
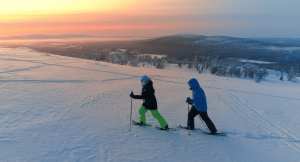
(199, 99)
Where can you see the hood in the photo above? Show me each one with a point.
(194, 83)
(149, 84)
(145, 80)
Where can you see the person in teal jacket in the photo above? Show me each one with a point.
(199, 106)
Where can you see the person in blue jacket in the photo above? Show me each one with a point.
(199, 106)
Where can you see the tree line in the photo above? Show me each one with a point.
(217, 66)
(122, 58)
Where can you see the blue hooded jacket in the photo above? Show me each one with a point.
(199, 99)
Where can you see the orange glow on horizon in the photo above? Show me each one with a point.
(35, 16)
(87, 28)
(95, 17)
(37, 7)
(82, 28)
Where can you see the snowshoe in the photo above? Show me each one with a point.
(140, 124)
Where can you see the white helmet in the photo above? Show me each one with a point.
(144, 80)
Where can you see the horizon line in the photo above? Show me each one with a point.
(37, 36)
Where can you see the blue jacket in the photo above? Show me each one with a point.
(199, 99)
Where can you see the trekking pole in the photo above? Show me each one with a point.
(130, 115)
(202, 121)
(188, 119)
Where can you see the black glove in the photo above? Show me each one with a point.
(188, 100)
(131, 94)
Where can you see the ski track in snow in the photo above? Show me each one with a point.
(80, 68)
(256, 116)
(47, 81)
(265, 95)
(24, 69)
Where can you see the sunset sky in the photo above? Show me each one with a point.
(238, 18)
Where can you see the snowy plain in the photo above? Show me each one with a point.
(56, 108)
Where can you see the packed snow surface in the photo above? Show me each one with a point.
(56, 108)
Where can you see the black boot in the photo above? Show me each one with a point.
(138, 123)
(166, 128)
(213, 133)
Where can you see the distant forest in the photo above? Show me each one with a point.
(177, 48)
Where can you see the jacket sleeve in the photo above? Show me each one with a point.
(142, 96)
(138, 97)
(197, 100)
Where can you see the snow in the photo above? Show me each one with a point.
(258, 62)
(56, 108)
(153, 55)
(274, 48)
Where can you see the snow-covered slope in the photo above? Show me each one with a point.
(56, 108)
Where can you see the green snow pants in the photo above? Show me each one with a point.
(155, 114)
